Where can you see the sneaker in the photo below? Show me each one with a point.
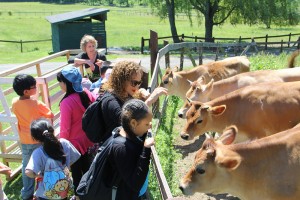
(74, 198)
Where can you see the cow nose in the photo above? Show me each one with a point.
(181, 188)
(184, 136)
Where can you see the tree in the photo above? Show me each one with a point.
(216, 12)
(168, 8)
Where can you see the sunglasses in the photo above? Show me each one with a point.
(135, 83)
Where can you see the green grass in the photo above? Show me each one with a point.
(124, 26)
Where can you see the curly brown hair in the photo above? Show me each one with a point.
(122, 72)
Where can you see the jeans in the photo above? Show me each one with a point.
(28, 183)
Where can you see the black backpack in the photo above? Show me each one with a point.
(92, 120)
(92, 185)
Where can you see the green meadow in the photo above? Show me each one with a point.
(124, 26)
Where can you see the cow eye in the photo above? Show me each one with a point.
(200, 170)
(199, 121)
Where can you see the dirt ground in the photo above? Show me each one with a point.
(188, 150)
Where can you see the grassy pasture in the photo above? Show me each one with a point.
(125, 27)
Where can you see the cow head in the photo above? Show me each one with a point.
(169, 81)
(168, 76)
(213, 162)
(199, 91)
(197, 117)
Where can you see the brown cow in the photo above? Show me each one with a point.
(200, 91)
(178, 83)
(258, 111)
(267, 168)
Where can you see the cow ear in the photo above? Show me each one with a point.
(175, 69)
(201, 80)
(209, 85)
(217, 110)
(229, 163)
(228, 135)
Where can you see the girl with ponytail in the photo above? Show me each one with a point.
(60, 150)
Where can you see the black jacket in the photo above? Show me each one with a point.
(111, 110)
(128, 160)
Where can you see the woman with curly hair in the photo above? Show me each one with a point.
(122, 85)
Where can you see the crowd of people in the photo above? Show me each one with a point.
(124, 114)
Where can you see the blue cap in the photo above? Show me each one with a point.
(73, 75)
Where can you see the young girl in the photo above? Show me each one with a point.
(72, 108)
(61, 151)
(130, 158)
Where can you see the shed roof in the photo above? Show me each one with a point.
(74, 15)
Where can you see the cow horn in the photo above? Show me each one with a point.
(208, 136)
(190, 82)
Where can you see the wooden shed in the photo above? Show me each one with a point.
(68, 28)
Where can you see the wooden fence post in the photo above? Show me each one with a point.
(153, 44)
(21, 46)
(290, 35)
(217, 53)
(266, 44)
(167, 56)
(281, 46)
(200, 55)
(298, 46)
(181, 57)
(142, 45)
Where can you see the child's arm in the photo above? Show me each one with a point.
(44, 110)
(5, 169)
(30, 173)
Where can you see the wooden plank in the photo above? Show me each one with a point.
(164, 187)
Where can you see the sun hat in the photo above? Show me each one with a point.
(73, 75)
(107, 75)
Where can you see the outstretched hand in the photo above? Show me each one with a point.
(155, 94)
(5, 169)
(149, 142)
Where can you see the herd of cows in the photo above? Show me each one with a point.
(257, 155)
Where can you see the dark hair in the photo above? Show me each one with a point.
(85, 100)
(133, 109)
(42, 131)
(23, 82)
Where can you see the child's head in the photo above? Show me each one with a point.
(23, 82)
(136, 117)
(70, 76)
(43, 132)
(106, 75)
(40, 129)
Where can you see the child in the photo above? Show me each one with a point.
(7, 171)
(72, 108)
(130, 158)
(62, 151)
(26, 110)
